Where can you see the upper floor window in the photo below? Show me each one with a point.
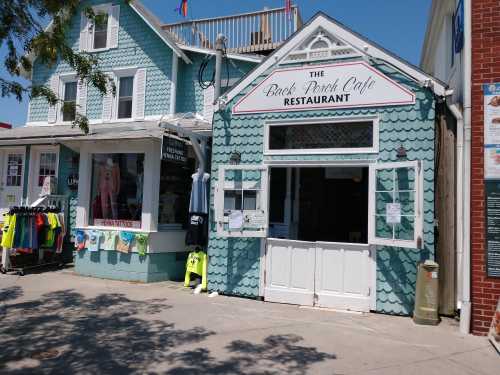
(125, 97)
(101, 31)
(69, 107)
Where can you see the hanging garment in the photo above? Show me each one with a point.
(124, 241)
(8, 231)
(109, 187)
(142, 243)
(94, 240)
(197, 232)
(109, 242)
(197, 264)
(62, 234)
(80, 240)
(199, 193)
(51, 230)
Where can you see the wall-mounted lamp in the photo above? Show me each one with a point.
(401, 152)
(235, 158)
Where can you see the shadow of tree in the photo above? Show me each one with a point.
(10, 293)
(98, 335)
(278, 354)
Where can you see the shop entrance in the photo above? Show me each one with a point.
(317, 252)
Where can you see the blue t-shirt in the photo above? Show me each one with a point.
(94, 240)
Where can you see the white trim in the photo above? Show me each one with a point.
(320, 163)
(324, 151)
(233, 56)
(418, 234)
(173, 84)
(4, 152)
(339, 31)
(34, 167)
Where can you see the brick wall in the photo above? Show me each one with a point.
(485, 69)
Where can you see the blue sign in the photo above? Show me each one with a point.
(458, 28)
(491, 89)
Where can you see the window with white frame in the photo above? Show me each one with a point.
(102, 33)
(396, 204)
(125, 97)
(338, 136)
(47, 166)
(241, 201)
(70, 89)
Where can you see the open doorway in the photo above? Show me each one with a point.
(326, 204)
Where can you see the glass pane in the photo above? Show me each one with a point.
(126, 86)
(14, 169)
(175, 190)
(381, 201)
(384, 180)
(405, 230)
(101, 31)
(116, 191)
(70, 91)
(407, 201)
(382, 229)
(321, 136)
(232, 200)
(47, 166)
(125, 108)
(249, 200)
(405, 179)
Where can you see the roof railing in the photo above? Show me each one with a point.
(251, 32)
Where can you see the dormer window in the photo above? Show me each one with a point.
(101, 34)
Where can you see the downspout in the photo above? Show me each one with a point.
(465, 311)
(173, 86)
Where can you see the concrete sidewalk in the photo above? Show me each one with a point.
(94, 326)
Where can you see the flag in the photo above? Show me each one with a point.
(288, 8)
(182, 8)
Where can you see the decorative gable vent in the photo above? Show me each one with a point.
(320, 46)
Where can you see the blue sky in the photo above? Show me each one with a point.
(398, 25)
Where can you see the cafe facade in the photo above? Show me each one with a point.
(323, 175)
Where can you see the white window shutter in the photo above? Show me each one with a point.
(208, 103)
(114, 26)
(54, 86)
(107, 103)
(84, 33)
(81, 98)
(140, 94)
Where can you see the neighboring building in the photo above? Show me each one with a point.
(325, 162)
(471, 29)
(117, 178)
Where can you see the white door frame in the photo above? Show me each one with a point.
(362, 163)
(4, 151)
(34, 167)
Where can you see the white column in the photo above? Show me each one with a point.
(84, 186)
(173, 86)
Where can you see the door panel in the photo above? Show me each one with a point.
(12, 178)
(45, 164)
(343, 276)
(289, 272)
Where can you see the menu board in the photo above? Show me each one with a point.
(492, 192)
(492, 131)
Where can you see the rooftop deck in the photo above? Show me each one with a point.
(256, 32)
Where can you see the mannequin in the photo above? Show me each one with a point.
(109, 187)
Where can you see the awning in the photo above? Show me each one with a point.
(27, 135)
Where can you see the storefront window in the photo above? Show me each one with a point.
(117, 190)
(175, 190)
(341, 135)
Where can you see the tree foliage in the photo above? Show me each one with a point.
(25, 34)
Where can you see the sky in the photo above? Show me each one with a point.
(397, 25)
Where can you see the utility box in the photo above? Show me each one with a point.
(427, 294)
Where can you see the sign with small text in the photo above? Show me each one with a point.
(355, 84)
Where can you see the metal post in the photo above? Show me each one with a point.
(219, 48)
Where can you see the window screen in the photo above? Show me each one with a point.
(321, 136)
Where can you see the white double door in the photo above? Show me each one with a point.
(12, 166)
(331, 275)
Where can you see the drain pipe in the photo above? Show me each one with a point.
(219, 51)
(465, 311)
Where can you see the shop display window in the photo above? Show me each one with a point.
(175, 189)
(117, 190)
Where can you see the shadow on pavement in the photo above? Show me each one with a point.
(66, 332)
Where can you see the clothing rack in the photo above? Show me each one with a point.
(37, 255)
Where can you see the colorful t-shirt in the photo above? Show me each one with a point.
(124, 241)
(8, 231)
(80, 240)
(142, 243)
(94, 240)
(109, 242)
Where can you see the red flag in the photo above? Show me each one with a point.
(288, 6)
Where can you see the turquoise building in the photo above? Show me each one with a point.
(323, 175)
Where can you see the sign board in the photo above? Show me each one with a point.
(117, 223)
(393, 213)
(355, 84)
(255, 219)
(492, 192)
(492, 131)
(173, 150)
(494, 333)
